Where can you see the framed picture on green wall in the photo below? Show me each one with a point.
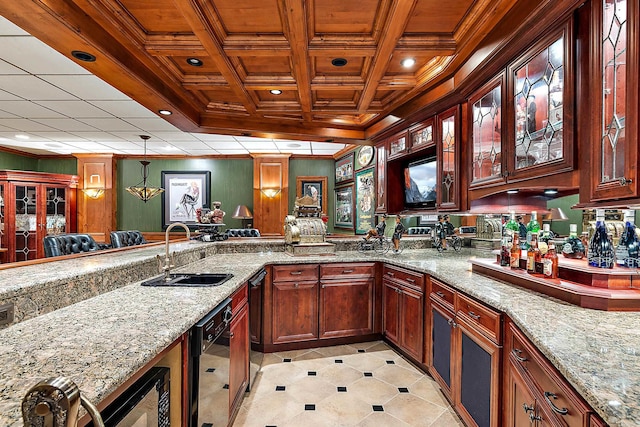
(365, 201)
(184, 193)
(344, 207)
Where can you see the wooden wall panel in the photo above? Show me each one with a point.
(270, 172)
(97, 216)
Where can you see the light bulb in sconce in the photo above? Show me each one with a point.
(94, 188)
(270, 192)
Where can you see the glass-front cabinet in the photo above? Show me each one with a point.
(422, 136)
(448, 150)
(615, 100)
(35, 205)
(3, 239)
(542, 128)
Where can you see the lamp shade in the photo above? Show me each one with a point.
(557, 215)
(242, 212)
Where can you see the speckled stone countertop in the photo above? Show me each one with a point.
(101, 341)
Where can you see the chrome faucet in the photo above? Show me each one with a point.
(169, 262)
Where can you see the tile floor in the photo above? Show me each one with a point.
(365, 384)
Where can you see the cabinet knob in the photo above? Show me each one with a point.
(527, 408)
(295, 285)
(473, 315)
(533, 417)
(231, 335)
(440, 294)
(624, 181)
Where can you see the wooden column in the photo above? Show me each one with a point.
(270, 193)
(97, 217)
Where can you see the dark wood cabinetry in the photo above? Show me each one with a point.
(465, 354)
(448, 150)
(381, 178)
(531, 380)
(35, 205)
(346, 299)
(238, 357)
(403, 309)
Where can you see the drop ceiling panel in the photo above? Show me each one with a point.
(32, 88)
(98, 136)
(151, 124)
(28, 109)
(24, 125)
(8, 28)
(59, 136)
(66, 125)
(124, 108)
(174, 136)
(87, 87)
(112, 124)
(33, 56)
(6, 68)
(76, 109)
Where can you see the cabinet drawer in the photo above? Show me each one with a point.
(443, 294)
(487, 321)
(558, 397)
(292, 273)
(406, 277)
(347, 271)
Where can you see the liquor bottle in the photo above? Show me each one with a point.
(512, 225)
(505, 251)
(573, 247)
(593, 253)
(538, 255)
(601, 253)
(628, 247)
(514, 256)
(531, 254)
(533, 227)
(546, 234)
(550, 262)
(584, 237)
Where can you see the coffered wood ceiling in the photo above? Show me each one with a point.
(248, 47)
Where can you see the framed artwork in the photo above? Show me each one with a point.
(184, 192)
(365, 201)
(344, 169)
(344, 207)
(315, 187)
(364, 156)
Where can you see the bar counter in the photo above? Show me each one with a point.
(101, 340)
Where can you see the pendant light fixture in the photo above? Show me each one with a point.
(141, 190)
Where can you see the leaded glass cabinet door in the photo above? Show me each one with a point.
(541, 85)
(26, 221)
(615, 99)
(448, 158)
(56, 210)
(3, 239)
(486, 133)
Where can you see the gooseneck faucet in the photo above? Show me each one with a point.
(169, 262)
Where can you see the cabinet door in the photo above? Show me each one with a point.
(239, 358)
(422, 136)
(615, 100)
(295, 311)
(440, 361)
(255, 310)
(346, 308)
(391, 311)
(381, 178)
(411, 321)
(477, 394)
(448, 191)
(521, 407)
(3, 230)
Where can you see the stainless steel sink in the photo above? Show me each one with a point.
(185, 279)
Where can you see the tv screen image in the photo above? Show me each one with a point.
(420, 180)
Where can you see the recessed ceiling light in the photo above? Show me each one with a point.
(551, 191)
(21, 136)
(165, 112)
(408, 62)
(275, 91)
(338, 62)
(194, 62)
(83, 56)
(294, 145)
(512, 191)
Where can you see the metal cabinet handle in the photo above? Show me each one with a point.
(231, 334)
(516, 353)
(534, 417)
(473, 315)
(624, 181)
(410, 280)
(347, 271)
(295, 285)
(295, 273)
(452, 323)
(440, 294)
(527, 408)
(390, 274)
(561, 411)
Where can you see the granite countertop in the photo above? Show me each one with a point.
(90, 341)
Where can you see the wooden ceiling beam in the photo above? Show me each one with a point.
(202, 28)
(399, 15)
(295, 19)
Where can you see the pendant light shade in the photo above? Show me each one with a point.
(141, 190)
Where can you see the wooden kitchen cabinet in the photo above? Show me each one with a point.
(381, 178)
(238, 358)
(346, 299)
(466, 354)
(550, 391)
(403, 310)
(448, 153)
(295, 303)
(36, 204)
(521, 407)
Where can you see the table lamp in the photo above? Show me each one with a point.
(242, 212)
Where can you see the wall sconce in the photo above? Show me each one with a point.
(270, 192)
(242, 212)
(93, 189)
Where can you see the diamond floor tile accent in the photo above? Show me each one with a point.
(363, 391)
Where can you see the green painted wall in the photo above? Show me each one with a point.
(308, 167)
(231, 184)
(17, 162)
(67, 166)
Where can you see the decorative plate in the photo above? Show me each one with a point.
(365, 155)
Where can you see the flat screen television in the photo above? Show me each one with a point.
(420, 184)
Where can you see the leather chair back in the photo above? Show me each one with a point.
(67, 244)
(121, 239)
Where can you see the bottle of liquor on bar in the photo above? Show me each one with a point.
(628, 247)
(601, 253)
(512, 225)
(533, 227)
(573, 247)
(505, 249)
(514, 256)
(584, 237)
(538, 255)
(531, 254)
(550, 262)
(595, 246)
